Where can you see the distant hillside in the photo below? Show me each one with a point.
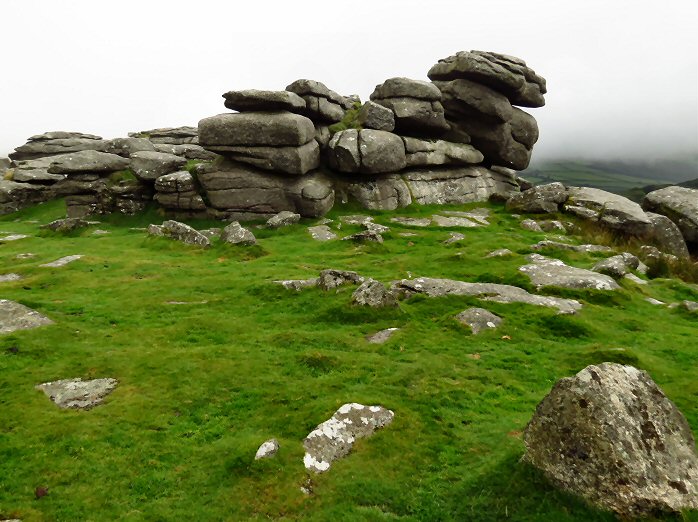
(621, 177)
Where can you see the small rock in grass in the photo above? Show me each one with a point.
(283, 219)
(267, 449)
(14, 316)
(27, 255)
(66, 225)
(455, 236)
(236, 234)
(653, 301)
(634, 279)
(454, 221)
(382, 336)
(411, 222)
(6, 278)
(322, 233)
(62, 261)
(501, 252)
(690, 306)
(374, 294)
(13, 237)
(479, 319)
(331, 278)
(365, 236)
(531, 225)
(76, 393)
(356, 219)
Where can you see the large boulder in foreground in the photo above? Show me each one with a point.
(679, 204)
(611, 210)
(610, 435)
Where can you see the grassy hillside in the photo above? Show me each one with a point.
(625, 178)
(203, 384)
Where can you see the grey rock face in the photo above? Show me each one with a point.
(321, 233)
(331, 278)
(267, 449)
(14, 316)
(66, 224)
(479, 319)
(381, 337)
(505, 74)
(148, 165)
(611, 436)
(667, 235)
(423, 153)
(283, 219)
(169, 135)
(334, 438)
(321, 103)
(469, 99)
(611, 210)
(679, 204)
(374, 294)
(184, 233)
(374, 116)
(273, 129)
(35, 171)
(387, 192)
(257, 100)
(448, 186)
(406, 88)
(15, 196)
(652, 254)
(538, 200)
(59, 142)
(247, 193)
(416, 117)
(291, 160)
(236, 234)
(314, 88)
(181, 181)
(76, 393)
(544, 271)
(366, 151)
(529, 224)
(127, 146)
(617, 266)
(433, 287)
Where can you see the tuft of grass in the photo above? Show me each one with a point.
(120, 176)
(9, 175)
(349, 121)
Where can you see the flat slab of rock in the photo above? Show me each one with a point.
(87, 161)
(322, 233)
(434, 287)
(544, 271)
(356, 219)
(258, 100)
(6, 278)
(62, 261)
(76, 393)
(382, 336)
(566, 246)
(334, 438)
(275, 129)
(611, 436)
(454, 221)
(14, 316)
(479, 319)
(411, 222)
(13, 237)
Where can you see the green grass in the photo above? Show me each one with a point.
(201, 386)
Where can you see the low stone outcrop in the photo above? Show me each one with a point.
(611, 210)
(544, 271)
(679, 204)
(334, 438)
(539, 200)
(66, 224)
(58, 142)
(667, 235)
(78, 394)
(611, 436)
(180, 232)
(87, 161)
(149, 166)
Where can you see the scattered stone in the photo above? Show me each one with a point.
(13, 237)
(322, 233)
(283, 219)
(455, 237)
(690, 306)
(331, 278)
(187, 302)
(365, 236)
(100, 232)
(183, 233)
(500, 252)
(407, 234)
(634, 279)
(433, 287)
(479, 319)
(14, 316)
(76, 393)
(334, 438)
(374, 294)
(610, 435)
(552, 226)
(7, 278)
(544, 271)
(377, 228)
(62, 261)
(531, 225)
(454, 221)
(411, 222)
(382, 336)
(267, 450)
(653, 301)
(575, 248)
(27, 255)
(479, 215)
(298, 284)
(617, 266)
(543, 199)
(66, 224)
(356, 220)
(236, 234)
(374, 116)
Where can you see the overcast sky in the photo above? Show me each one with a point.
(622, 75)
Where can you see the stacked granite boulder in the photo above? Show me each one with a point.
(179, 141)
(479, 93)
(271, 154)
(57, 142)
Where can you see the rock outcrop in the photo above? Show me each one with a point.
(679, 204)
(610, 435)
